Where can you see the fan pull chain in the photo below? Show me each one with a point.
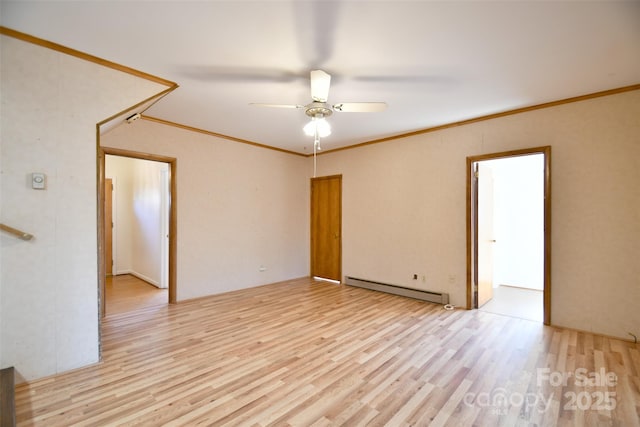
(316, 141)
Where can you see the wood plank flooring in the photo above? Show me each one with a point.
(305, 353)
(126, 293)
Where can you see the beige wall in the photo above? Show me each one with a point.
(239, 208)
(51, 104)
(404, 207)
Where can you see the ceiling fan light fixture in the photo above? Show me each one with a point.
(318, 126)
(318, 109)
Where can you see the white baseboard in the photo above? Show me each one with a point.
(141, 277)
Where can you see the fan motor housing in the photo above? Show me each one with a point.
(316, 109)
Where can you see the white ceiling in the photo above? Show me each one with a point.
(432, 62)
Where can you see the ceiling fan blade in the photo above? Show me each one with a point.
(316, 28)
(360, 107)
(257, 104)
(320, 82)
(210, 73)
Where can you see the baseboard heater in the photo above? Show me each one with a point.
(437, 297)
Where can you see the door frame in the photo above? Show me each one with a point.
(471, 228)
(173, 221)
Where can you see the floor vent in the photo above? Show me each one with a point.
(437, 297)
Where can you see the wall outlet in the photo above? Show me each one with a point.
(262, 269)
(415, 277)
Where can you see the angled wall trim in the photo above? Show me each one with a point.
(85, 56)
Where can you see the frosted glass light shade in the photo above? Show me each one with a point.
(322, 126)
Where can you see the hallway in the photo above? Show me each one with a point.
(125, 293)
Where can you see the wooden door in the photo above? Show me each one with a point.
(108, 227)
(326, 227)
(485, 234)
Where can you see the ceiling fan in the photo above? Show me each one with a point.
(318, 109)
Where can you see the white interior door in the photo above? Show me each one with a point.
(485, 234)
(164, 218)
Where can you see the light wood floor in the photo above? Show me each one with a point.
(516, 302)
(125, 293)
(305, 353)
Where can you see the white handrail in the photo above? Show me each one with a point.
(19, 234)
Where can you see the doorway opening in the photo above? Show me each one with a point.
(140, 269)
(508, 233)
